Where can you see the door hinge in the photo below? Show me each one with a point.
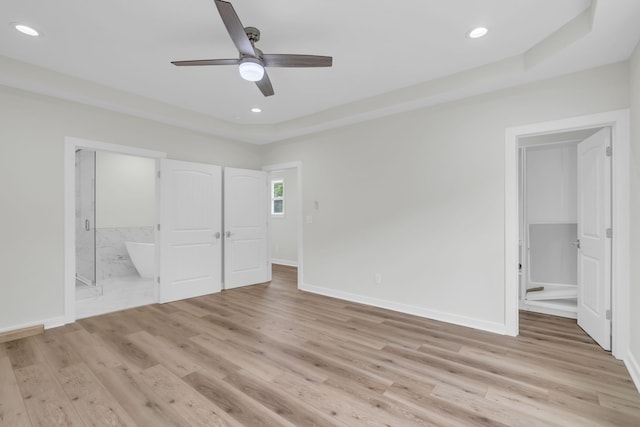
(609, 151)
(158, 227)
(609, 233)
(607, 315)
(158, 174)
(158, 279)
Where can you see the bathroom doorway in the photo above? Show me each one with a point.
(115, 229)
(548, 190)
(115, 234)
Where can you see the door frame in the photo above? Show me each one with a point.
(619, 121)
(298, 167)
(71, 144)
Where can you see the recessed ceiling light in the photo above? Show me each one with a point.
(256, 110)
(25, 29)
(478, 32)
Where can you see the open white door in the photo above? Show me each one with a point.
(245, 223)
(190, 220)
(594, 219)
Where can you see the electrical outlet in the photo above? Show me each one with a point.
(378, 278)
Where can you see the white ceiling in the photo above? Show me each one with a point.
(387, 56)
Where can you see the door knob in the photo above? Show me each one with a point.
(227, 234)
(576, 244)
(217, 235)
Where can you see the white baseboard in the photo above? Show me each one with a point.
(498, 328)
(48, 324)
(286, 262)
(634, 369)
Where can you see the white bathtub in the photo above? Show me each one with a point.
(143, 256)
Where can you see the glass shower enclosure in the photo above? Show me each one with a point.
(86, 285)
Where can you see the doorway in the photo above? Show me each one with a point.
(109, 227)
(286, 216)
(618, 122)
(565, 207)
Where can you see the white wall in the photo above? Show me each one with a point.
(419, 197)
(635, 213)
(551, 182)
(284, 229)
(32, 132)
(125, 190)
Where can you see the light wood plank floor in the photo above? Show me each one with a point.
(270, 355)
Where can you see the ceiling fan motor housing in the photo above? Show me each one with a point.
(253, 34)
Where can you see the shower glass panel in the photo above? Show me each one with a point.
(85, 224)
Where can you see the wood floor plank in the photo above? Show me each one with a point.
(22, 353)
(94, 404)
(56, 351)
(170, 356)
(345, 408)
(234, 402)
(297, 412)
(484, 410)
(46, 402)
(196, 409)
(250, 361)
(142, 404)
(12, 409)
(271, 355)
(92, 350)
(540, 409)
(628, 406)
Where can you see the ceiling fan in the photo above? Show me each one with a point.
(252, 61)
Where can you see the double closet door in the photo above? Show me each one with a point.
(213, 229)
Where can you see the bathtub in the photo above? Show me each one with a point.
(143, 256)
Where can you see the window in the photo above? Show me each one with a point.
(277, 197)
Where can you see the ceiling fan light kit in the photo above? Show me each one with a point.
(252, 62)
(251, 69)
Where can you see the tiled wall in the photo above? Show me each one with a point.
(112, 257)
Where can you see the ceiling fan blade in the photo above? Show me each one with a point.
(235, 28)
(265, 85)
(206, 62)
(284, 60)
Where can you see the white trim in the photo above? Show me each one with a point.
(115, 148)
(455, 319)
(298, 166)
(619, 122)
(70, 146)
(634, 369)
(53, 322)
(286, 262)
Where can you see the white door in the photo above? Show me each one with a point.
(594, 255)
(190, 234)
(245, 224)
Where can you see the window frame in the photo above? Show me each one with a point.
(274, 198)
